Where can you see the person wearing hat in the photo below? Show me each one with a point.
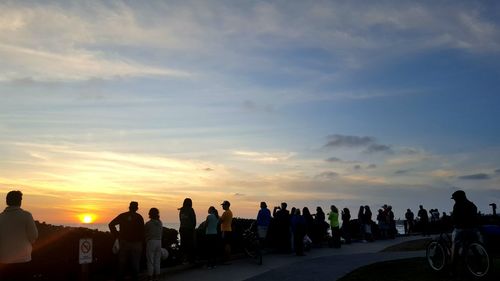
(225, 226)
(131, 237)
(464, 219)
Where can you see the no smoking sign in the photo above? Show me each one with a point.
(85, 251)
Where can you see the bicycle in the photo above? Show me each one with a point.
(252, 244)
(472, 254)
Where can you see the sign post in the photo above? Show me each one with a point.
(85, 256)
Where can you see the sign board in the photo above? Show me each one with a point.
(85, 250)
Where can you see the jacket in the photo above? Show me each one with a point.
(17, 234)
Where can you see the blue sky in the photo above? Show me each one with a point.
(315, 103)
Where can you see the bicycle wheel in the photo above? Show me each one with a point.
(477, 260)
(436, 256)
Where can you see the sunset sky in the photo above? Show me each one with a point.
(310, 102)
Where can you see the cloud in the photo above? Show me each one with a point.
(401, 172)
(264, 157)
(22, 63)
(369, 144)
(327, 175)
(479, 176)
(372, 166)
(333, 160)
(348, 141)
(497, 171)
(357, 167)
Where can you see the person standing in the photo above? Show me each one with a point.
(298, 226)
(187, 218)
(333, 217)
(410, 217)
(283, 231)
(263, 221)
(346, 222)
(211, 236)
(226, 221)
(131, 237)
(423, 220)
(18, 232)
(153, 234)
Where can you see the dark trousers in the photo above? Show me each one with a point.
(187, 243)
(336, 237)
(211, 247)
(129, 256)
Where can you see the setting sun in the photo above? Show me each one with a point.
(87, 218)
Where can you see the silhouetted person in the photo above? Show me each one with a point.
(212, 236)
(187, 228)
(283, 235)
(367, 222)
(391, 222)
(409, 221)
(263, 221)
(346, 225)
(298, 225)
(423, 220)
(333, 217)
(309, 222)
(494, 208)
(320, 227)
(153, 234)
(131, 237)
(226, 221)
(464, 219)
(382, 219)
(18, 232)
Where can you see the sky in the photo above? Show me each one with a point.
(310, 102)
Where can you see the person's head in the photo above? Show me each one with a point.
(421, 207)
(458, 196)
(346, 211)
(225, 205)
(284, 205)
(367, 208)
(334, 209)
(306, 211)
(263, 205)
(154, 213)
(212, 210)
(14, 198)
(297, 212)
(134, 206)
(319, 209)
(380, 211)
(389, 208)
(188, 203)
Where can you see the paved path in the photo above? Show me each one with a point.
(319, 264)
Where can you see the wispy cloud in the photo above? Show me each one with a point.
(265, 157)
(479, 176)
(369, 144)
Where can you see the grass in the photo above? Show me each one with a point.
(414, 269)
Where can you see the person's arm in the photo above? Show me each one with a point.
(112, 226)
(31, 230)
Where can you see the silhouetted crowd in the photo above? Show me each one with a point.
(280, 230)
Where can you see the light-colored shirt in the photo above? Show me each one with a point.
(17, 234)
(211, 225)
(226, 220)
(153, 230)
